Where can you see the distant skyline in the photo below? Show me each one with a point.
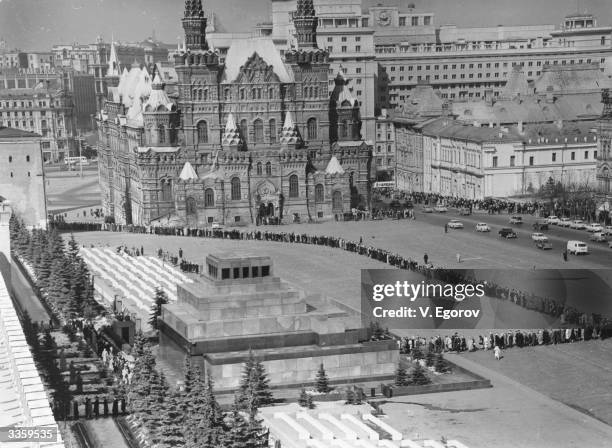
(40, 24)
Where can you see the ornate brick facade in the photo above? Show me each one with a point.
(253, 137)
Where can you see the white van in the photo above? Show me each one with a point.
(577, 247)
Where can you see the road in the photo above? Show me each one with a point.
(558, 236)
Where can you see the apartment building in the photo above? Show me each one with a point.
(466, 63)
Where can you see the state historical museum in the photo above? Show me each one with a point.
(251, 137)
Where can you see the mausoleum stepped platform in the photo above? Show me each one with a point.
(238, 307)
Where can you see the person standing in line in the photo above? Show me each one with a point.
(497, 351)
(425, 258)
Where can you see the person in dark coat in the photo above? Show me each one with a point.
(75, 409)
(105, 403)
(97, 407)
(123, 405)
(88, 408)
(115, 408)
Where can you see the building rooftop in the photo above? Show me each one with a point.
(10, 133)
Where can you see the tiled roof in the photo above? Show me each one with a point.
(242, 49)
(445, 127)
(16, 133)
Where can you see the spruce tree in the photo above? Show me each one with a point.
(350, 396)
(238, 433)
(204, 425)
(262, 385)
(418, 376)
(401, 377)
(169, 431)
(417, 353)
(441, 365)
(305, 400)
(322, 381)
(257, 434)
(161, 298)
(429, 358)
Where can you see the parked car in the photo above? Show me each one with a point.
(428, 209)
(565, 222)
(482, 227)
(516, 220)
(540, 224)
(465, 211)
(440, 209)
(455, 224)
(215, 225)
(507, 232)
(539, 237)
(552, 219)
(544, 245)
(577, 247)
(598, 237)
(608, 230)
(594, 227)
(577, 224)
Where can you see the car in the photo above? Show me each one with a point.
(577, 224)
(455, 224)
(540, 224)
(577, 247)
(516, 220)
(215, 225)
(564, 222)
(482, 227)
(440, 209)
(465, 211)
(428, 209)
(608, 230)
(594, 227)
(544, 245)
(507, 232)
(552, 219)
(598, 237)
(539, 237)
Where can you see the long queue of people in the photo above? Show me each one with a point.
(416, 346)
(546, 305)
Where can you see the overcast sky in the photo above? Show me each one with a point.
(39, 24)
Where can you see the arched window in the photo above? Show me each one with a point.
(271, 93)
(293, 186)
(190, 206)
(242, 94)
(259, 169)
(161, 133)
(253, 93)
(344, 128)
(268, 169)
(205, 96)
(337, 201)
(312, 128)
(166, 187)
(202, 132)
(235, 189)
(209, 197)
(259, 132)
(226, 94)
(272, 130)
(244, 130)
(319, 193)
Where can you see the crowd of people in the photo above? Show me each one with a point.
(416, 346)
(568, 315)
(184, 265)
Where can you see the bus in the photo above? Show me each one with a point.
(76, 161)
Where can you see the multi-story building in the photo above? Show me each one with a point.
(474, 162)
(384, 148)
(13, 59)
(350, 43)
(46, 109)
(255, 137)
(604, 156)
(21, 175)
(467, 63)
(41, 60)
